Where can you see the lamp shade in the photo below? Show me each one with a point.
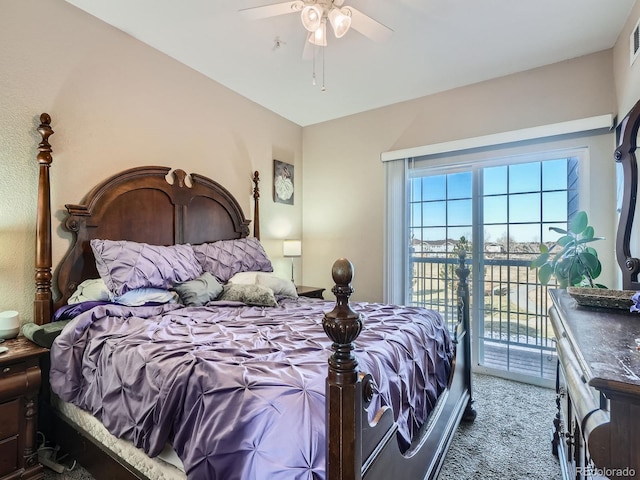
(319, 36)
(311, 17)
(292, 248)
(340, 19)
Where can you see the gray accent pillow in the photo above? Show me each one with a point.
(125, 265)
(280, 286)
(198, 291)
(250, 294)
(225, 258)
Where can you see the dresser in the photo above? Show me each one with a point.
(597, 427)
(19, 387)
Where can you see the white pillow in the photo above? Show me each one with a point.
(244, 278)
(280, 286)
(93, 289)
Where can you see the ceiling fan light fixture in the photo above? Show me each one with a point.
(319, 37)
(340, 19)
(311, 17)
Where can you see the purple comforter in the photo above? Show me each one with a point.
(239, 391)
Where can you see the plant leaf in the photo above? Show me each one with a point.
(565, 240)
(588, 232)
(544, 274)
(558, 230)
(541, 260)
(579, 222)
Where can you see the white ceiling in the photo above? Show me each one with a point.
(436, 45)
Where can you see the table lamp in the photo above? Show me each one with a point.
(292, 248)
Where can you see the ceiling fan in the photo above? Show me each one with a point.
(315, 14)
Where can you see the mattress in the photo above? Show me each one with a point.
(166, 466)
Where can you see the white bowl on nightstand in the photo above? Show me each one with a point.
(9, 324)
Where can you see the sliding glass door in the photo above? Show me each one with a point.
(499, 211)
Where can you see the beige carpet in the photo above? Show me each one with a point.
(509, 440)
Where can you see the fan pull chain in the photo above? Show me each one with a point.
(313, 77)
(323, 89)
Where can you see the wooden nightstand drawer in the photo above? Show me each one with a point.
(9, 415)
(19, 386)
(13, 380)
(311, 292)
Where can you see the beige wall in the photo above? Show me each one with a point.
(116, 103)
(627, 77)
(343, 209)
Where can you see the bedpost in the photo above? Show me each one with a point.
(256, 205)
(43, 303)
(462, 271)
(343, 388)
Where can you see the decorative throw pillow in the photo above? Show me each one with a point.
(91, 290)
(125, 265)
(280, 286)
(198, 291)
(225, 258)
(244, 278)
(140, 296)
(250, 294)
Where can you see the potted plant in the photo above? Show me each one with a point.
(574, 263)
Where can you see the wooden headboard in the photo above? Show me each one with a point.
(150, 204)
(625, 155)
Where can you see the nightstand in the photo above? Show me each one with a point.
(311, 292)
(19, 387)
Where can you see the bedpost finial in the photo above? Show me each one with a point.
(44, 147)
(342, 271)
(342, 325)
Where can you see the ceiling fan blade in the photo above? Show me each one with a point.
(368, 27)
(266, 11)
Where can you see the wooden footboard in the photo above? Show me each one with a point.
(357, 450)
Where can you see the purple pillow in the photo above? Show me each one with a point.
(126, 266)
(225, 258)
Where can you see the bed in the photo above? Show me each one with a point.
(357, 390)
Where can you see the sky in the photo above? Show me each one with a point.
(528, 196)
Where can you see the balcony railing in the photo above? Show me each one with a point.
(511, 328)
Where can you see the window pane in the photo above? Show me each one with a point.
(434, 214)
(494, 233)
(416, 190)
(434, 188)
(554, 174)
(416, 215)
(495, 180)
(524, 177)
(520, 235)
(432, 234)
(550, 235)
(554, 206)
(459, 185)
(524, 208)
(459, 212)
(455, 234)
(495, 209)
